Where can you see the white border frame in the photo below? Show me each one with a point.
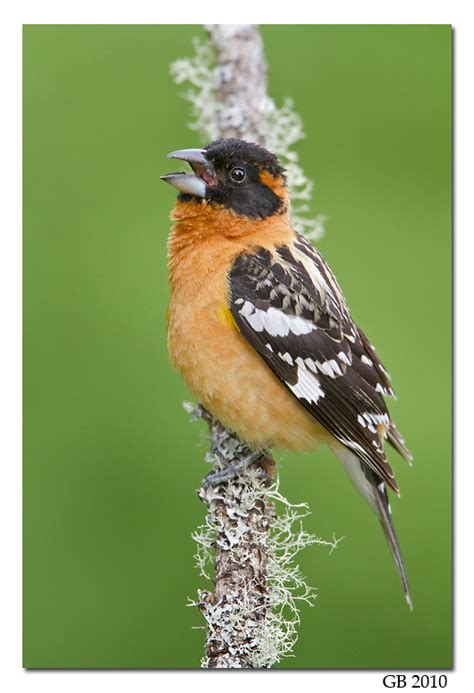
(457, 13)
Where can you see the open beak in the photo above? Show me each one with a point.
(195, 183)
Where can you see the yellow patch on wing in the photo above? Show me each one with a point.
(226, 318)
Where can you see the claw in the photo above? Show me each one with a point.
(232, 470)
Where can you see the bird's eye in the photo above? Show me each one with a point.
(238, 174)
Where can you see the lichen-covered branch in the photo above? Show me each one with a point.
(252, 613)
(236, 532)
(247, 546)
(241, 77)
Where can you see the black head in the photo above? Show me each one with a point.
(238, 175)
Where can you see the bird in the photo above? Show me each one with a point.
(259, 328)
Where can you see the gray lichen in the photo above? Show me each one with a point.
(237, 623)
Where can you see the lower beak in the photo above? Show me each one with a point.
(202, 177)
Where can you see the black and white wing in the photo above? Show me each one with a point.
(288, 305)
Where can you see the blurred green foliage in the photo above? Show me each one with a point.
(111, 462)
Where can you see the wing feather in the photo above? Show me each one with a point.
(290, 308)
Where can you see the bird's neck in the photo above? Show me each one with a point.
(202, 229)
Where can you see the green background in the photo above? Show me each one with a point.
(111, 462)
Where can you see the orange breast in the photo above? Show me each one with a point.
(218, 365)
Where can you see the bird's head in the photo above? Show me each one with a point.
(233, 175)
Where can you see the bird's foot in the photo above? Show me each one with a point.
(233, 470)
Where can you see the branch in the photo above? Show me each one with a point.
(238, 608)
(238, 518)
(241, 80)
(252, 613)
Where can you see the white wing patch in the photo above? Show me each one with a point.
(307, 386)
(377, 418)
(286, 357)
(370, 421)
(274, 321)
(344, 358)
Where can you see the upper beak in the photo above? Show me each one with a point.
(186, 182)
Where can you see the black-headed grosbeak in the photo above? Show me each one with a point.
(259, 327)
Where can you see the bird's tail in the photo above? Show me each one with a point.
(383, 512)
(375, 493)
